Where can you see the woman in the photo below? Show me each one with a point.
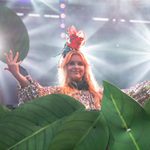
(75, 76)
(76, 79)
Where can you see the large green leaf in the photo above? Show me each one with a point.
(128, 122)
(147, 107)
(13, 33)
(27, 120)
(82, 130)
(43, 123)
(3, 111)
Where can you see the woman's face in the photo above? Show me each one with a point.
(75, 68)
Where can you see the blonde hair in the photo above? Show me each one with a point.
(94, 89)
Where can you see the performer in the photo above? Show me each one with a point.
(76, 78)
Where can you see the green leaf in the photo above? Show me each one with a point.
(13, 34)
(27, 120)
(82, 130)
(3, 111)
(147, 107)
(128, 122)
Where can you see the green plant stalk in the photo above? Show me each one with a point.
(124, 123)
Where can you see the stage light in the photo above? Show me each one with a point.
(140, 21)
(34, 15)
(20, 14)
(114, 20)
(122, 20)
(62, 5)
(50, 16)
(62, 15)
(100, 19)
(62, 8)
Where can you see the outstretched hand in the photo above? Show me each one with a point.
(12, 63)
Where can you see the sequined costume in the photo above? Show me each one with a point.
(140, 92)
(34, 90)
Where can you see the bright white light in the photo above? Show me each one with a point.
(51, 16)
(20, 14)
(100, 19)
(139, 21)
(62, 5)
(114, 20)
(122, 20)
(34, 15)
(62, 15)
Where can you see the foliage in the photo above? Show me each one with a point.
(128, 122)
(13, 34)
(59, 122)
(53, 122)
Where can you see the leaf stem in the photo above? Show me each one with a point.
(125, 124)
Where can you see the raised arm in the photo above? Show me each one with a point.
(13, 67)
(28, 89)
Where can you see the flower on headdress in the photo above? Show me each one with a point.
(75, 40)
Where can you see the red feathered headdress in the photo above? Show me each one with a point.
(75, 37)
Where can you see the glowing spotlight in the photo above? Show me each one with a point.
(140, 21)
(34, 15)
(100, 19)
(114, 20)
(122, 20)
(62, 5)
(62, 15)
(20, 14)
(51, 16)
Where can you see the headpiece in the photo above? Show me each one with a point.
(74, 38)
